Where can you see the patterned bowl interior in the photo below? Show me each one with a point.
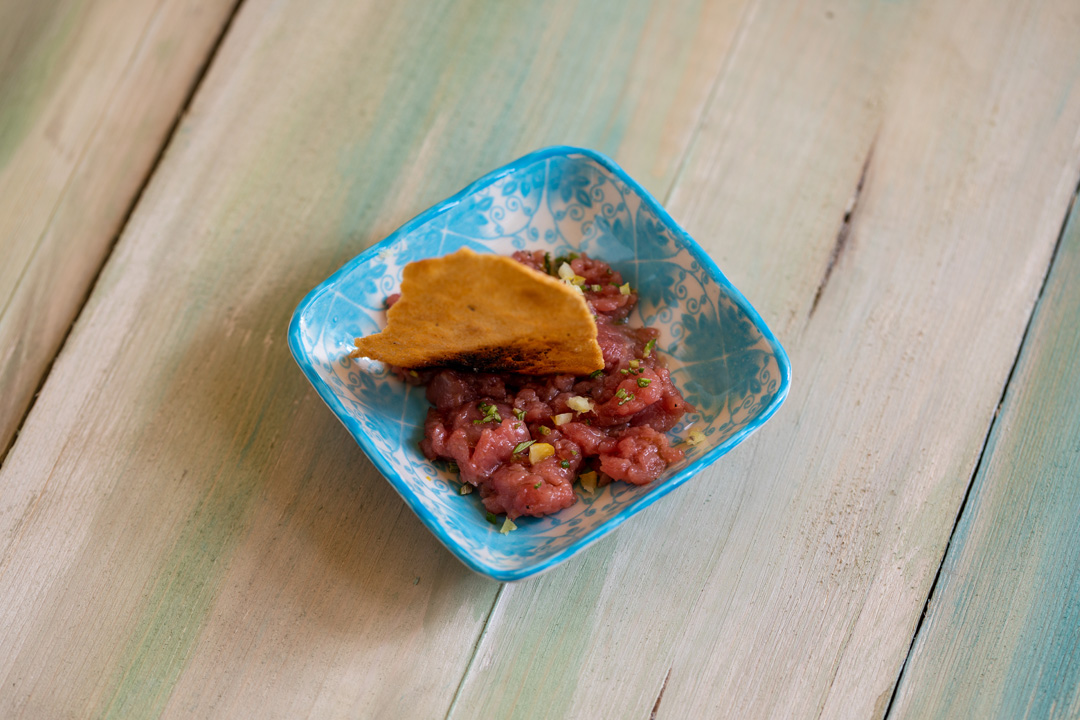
(722, 357)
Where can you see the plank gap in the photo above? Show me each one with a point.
(660, 696)
(982, 450)
(845, 228)
(188, 98)
(475, 651)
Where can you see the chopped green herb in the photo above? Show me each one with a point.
(537, 485)
(491, 518)
(596, 373)
(565, 463)
(624, 371)
(544, 430)
(547, 263)
(491, 414)
(621, 394)
(517, 426)
(519, 414)
(453, 467)
(628, 398)
(522, 446)
(465, 489)
(649, 348)
(643, 382)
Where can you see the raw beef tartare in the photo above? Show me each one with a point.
(523, 440)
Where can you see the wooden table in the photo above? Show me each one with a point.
(185, 530)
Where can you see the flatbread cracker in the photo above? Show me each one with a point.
(487, 312)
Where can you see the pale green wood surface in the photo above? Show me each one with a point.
(1002, 634)
(88, 92)
(185, 530)
(787, 580)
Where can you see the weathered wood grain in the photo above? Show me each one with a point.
(788, 580)
(1002, 633)
(88, 93)
(184, 529)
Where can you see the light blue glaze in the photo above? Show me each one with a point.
(721, 354)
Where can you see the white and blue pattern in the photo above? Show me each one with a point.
(722, 356)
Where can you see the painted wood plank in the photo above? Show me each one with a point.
(1002, 635)
(185, 529)
(788, 580)
(88, 94)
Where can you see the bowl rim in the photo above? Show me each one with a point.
(632, 508)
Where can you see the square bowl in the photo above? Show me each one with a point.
(721, 355)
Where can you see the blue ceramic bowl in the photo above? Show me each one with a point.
(722, 356)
